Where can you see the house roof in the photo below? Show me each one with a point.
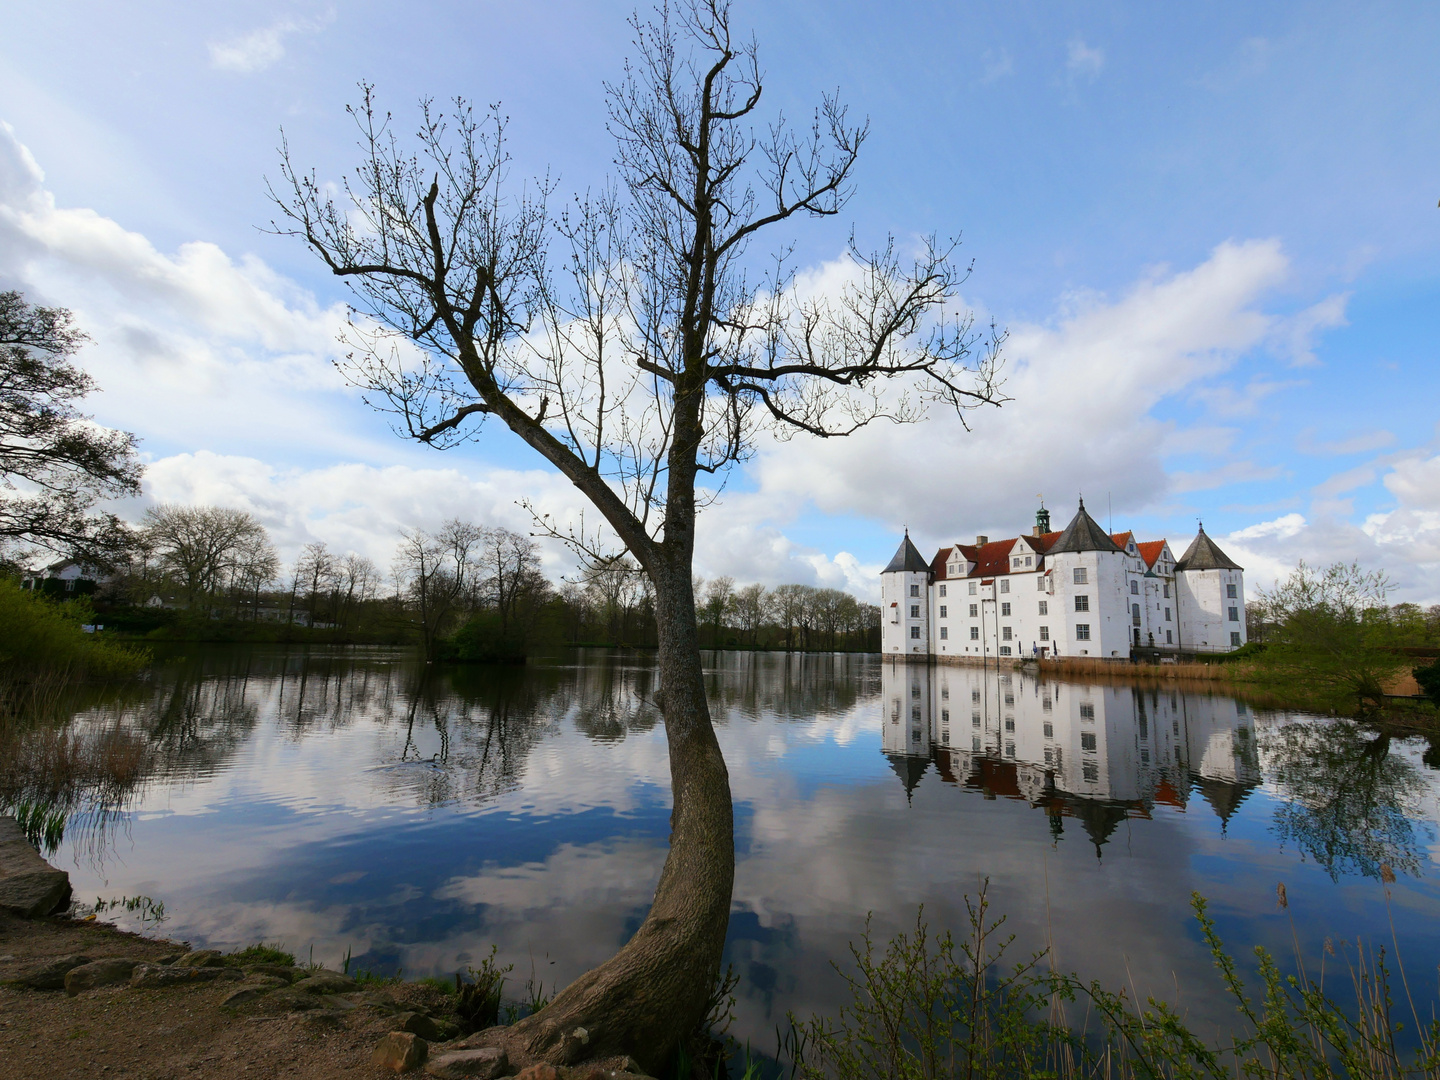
(907, 559)
(1204, 554)
(1083, 534)
(940, 562)
(1150, 551)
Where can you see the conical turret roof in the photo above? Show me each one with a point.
(907, 559)
(910, 769)
(1204, 554)
(1083, 534)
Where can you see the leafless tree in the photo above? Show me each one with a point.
(440, 574)
(719, 592)
(511, 564)
(749, 605)
(642, 363)
(200, 547)
(787, 605)
(316, 573)
(360, 579)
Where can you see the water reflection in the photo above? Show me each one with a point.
(411, 815)
(1090, 754)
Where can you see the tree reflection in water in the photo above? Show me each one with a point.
(1349, 800)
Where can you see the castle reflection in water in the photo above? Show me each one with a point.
(1086, 754)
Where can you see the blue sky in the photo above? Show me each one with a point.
(1213, 233)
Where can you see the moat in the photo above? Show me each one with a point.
(360, 802)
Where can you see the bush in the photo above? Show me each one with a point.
(483, 641)
(39, 638)
(1429, 680)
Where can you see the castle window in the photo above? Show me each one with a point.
(944, 716)
(1044, 633)
(1082, 603)
(914, 611)
(974, 633)
(1087, 741)
(942, 590)
(972, 588)
(1090, 772)
(944, 633)
(1235, 638)
(1009, 723)
(1049, 730)
(1015, 561)
(1005, 585)
(1231, 593)
(975, 744)
(915, 633)
(945, 737)
(1004, 650)
(1045, 704)
(1005, 633)
(1082, 631)
(1081, 576)
(1049, 755)
(915, 712)
(1028, 559)
(944, 693)
(1087, 711)
(1040, 583)
(1044, 607)
(915, 691)
(1134, 588)
(975, 696)
(943, 610)
(974, 719)
(1167, 614)
(1009, 749)
(1167, 590)
(1005, 608)
(1169, 639)
(914, 590)
(1234, 614)
(974, 610)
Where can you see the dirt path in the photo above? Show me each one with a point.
(117, 1031)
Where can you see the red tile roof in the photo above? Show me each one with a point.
(1150, 551)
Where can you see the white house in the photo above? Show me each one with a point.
(1078, 592)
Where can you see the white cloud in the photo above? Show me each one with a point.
(1295, 336)
(257, 50)
(1080, 420)
(1360, 443)
(1082, 60)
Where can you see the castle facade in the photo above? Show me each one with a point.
(1077, 592)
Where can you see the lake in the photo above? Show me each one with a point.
(357, 802)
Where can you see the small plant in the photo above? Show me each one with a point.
(478, 1001)
(151, 913)
(260, 953)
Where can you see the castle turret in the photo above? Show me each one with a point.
(905, 603)
(1210, 594)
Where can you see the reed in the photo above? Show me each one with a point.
(928, 1007)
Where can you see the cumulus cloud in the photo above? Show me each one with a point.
(257, 50)
(1083, 390)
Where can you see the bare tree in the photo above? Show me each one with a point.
(749, 606)
(649, 358)
(199, 547)
(315, 572)
(439, 573)
(787, 605)
(360, 579)
(719, 592)
(511, 562)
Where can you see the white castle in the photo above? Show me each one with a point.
(1079, 592)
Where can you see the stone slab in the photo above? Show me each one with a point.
(29, 886)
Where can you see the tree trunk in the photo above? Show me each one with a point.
(653, 993)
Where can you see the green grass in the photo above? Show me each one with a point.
(260, 953)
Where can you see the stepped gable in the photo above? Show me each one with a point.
(1150, 551)
(1121, 539)
(907, 559)
(1205, 554)
(1083, 534)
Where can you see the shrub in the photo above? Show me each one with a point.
(39, 636)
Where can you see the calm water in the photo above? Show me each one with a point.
(359, 802)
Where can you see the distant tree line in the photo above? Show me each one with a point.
(462, 591)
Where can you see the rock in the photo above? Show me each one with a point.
(539, 1071)
(169, 958)
(29, 886)
(326, 983)
(278, 971)
(487, 1063)
(292, 1000)
(266, 982)
(418, 1024)
(205, 958)
(98, 973)
(156, 977)
(243, 996)
(52, 975)
(400, 1051)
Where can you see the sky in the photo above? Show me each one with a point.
(1212, 234)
